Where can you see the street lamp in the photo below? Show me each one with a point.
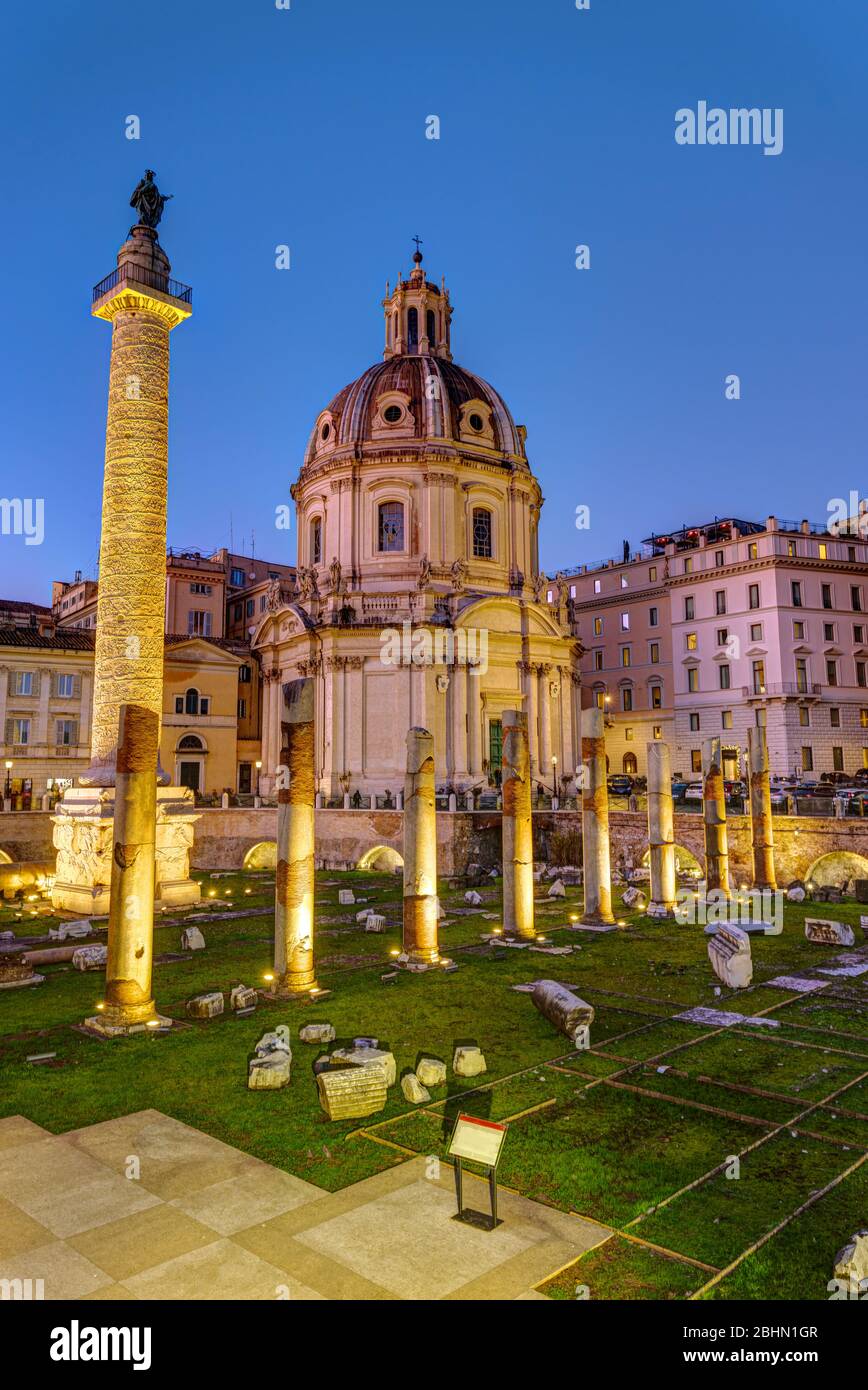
(7, 793)
(258, 770)
(554, 782)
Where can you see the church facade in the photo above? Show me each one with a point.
(418, 598)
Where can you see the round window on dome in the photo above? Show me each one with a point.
(392, 414)
(325, 431)
(477, 423)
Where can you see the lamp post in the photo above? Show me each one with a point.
(555, 798)
(257, 800)
(7, 791)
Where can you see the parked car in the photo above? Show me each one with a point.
(860, 778)
(619, 784)
(734, 791)
(693, 791)
(838, 779)
(679, 787)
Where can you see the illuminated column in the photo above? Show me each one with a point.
(714, 811)
(420, 850)
(517, 829)
(762, 836)
(661, 830)
(294, 882)
(595, 821)
(458, 686)
(474, 718)
(545, 709)
(129, 1004)
(143, 305)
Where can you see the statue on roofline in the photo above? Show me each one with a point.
(148, 201)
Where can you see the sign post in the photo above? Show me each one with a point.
(476, 1141)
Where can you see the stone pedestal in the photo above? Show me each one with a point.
(516, 828)
(83, 838)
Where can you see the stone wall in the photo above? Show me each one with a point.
(223, 838)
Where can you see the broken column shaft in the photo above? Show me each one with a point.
(129, 1003)
(714, 813)
(294, 883)
(661, 831)
(762, 836)
(595, 821)
(420, 851)
(517, 828)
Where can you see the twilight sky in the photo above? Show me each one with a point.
(307, 127)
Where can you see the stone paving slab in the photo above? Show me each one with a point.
(205, 1221)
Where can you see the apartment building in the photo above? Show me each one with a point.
(758, 622)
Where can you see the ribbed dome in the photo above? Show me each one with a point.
(434, 410)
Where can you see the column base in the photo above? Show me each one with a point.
(287, 992)
(33, 979)
(118, 1022)
(663, 912)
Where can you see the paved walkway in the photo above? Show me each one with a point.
(145, 1207)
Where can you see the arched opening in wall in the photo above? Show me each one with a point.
(381, 860)
(835, 870)
(687, 866)
(261, 856)
(630, 764)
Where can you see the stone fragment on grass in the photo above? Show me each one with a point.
(796, 893)
(431, 1072)
(270, 1069)
(374, 922)
(242, 997)
(192, 939)
(90, 958)
(557, 889)
(468, 1061)
(472, 898)
(824, 932)
(851, 1262)
(729, 953)
(317, 1033)
(373, 1057)
(346, 897)
(350, 1093)
(209, 1005)
(564, 1009)
(413, 1090)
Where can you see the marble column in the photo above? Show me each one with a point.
(294, 883)
(458, 687)
(597, 872)
(474, 719)
(129, 1005)
(420, 851)
(517, 829)
(532, 736)
(545, 707)
(762, 835)
(714, 813)
(661, 830)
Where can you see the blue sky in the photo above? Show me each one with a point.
(307, 127)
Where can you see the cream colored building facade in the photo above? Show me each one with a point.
(418, 598)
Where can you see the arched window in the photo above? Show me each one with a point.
(412, 328)
(630, 764)
(431, 328)
(316, 541)
(390, 526)
(481, 533)
(190, 743)
(191, 702)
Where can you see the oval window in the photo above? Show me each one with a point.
(477, 423)
(392, 414)
(325, 431)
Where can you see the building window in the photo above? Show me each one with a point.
(198, 623)
(726, 718)
(723, 677)
(722, 636)
(244, 675)
(827, 596)
(831, 673)
(249, 607)
(690, 641)
(65, 733)
(694, 723)
(430, 328)
(625, 622)
(245, 778)
(801, 675)
(756, 632)
(858, 632)
(807, 758)
(390, 527)
(693, 678)
(688, 609)
(791, 549)
(20, 731)
(482, 533)
(191, 702)
(798, 631)
(863, 718)
(821, 551)
(759, 677)
(598, 660)
(654, 653)
(412, 328)
(837, 759)
(200, 588)
(628, 734)
(657, 731)
(855, 598)
(22, 682)
(624, 583)
(65, 686)
(627, 699)
(834, 718)
(718, 559)
(695, 760)
(237, 578)
(720, 601)
(596, 586)
(751, 550)
(652, 574)
(804, 717)
(625, 656)
(242, 709)
(653, 617)
(828, 632)
(860, 673)
(688, 564)
(753, 596)
(656, 697)
(316, 541)
(598, 627)
(760, 717)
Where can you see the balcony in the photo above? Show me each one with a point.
(777, 690)
(139, 275)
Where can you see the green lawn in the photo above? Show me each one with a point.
(638, 1133)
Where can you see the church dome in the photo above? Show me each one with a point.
(417, 394)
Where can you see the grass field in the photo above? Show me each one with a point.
(727, 1162)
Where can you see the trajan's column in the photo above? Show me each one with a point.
(143, 304)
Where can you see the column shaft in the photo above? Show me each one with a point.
(517, 828)
(597, 872)
(661, 829)
(714, 811)
(294, 883)
(420, 850)
(762, 835)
